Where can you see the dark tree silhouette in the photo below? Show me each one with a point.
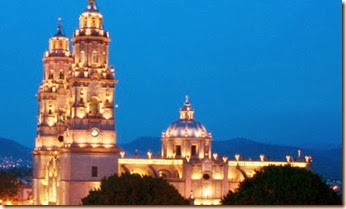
(283, 185)
(133, 189)
(8, 185)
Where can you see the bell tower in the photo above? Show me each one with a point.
(53, 114)
(76, 142)
(91, 84)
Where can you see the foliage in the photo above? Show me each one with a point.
(19, 171)
(8, 185)
(283, 185)
(133, 189)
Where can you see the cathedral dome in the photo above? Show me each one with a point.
(186, 126)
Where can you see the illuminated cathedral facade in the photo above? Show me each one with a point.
(75, 146)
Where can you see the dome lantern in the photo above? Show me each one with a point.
(59, 43)
(186, 113)
(92, 5)
(91, 19)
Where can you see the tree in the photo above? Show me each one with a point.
(133, 189)
(283, 185)
(8, 185)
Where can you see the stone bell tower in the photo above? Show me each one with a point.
(76, 142)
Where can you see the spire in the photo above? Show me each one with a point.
(59, 30)
(59, 43)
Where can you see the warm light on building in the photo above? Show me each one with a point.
(187, 163)
(335, 187)
(76, 139)
(76, 116)
(237, 157)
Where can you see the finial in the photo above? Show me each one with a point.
(59, 26)
(92, 5)
(187, 103)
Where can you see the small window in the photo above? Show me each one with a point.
(178, 150)
(61, 74)
(193, 150)
(94, 171)
(206, 176)
(61, 138)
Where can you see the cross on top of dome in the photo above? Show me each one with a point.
(187, 103)
(59, 31)
(186, 113)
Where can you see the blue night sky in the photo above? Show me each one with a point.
(266, 70)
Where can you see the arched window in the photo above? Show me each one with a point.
(61, 74)
(95, 57)
(93, 22)
(50, 76)
(82, 57)
(94, 107)
(85, 22)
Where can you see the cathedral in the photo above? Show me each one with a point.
(76, 145)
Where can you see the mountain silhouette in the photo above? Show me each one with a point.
(10, 148)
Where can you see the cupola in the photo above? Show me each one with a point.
(186, 137)
(59, 43)
(91, 18)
